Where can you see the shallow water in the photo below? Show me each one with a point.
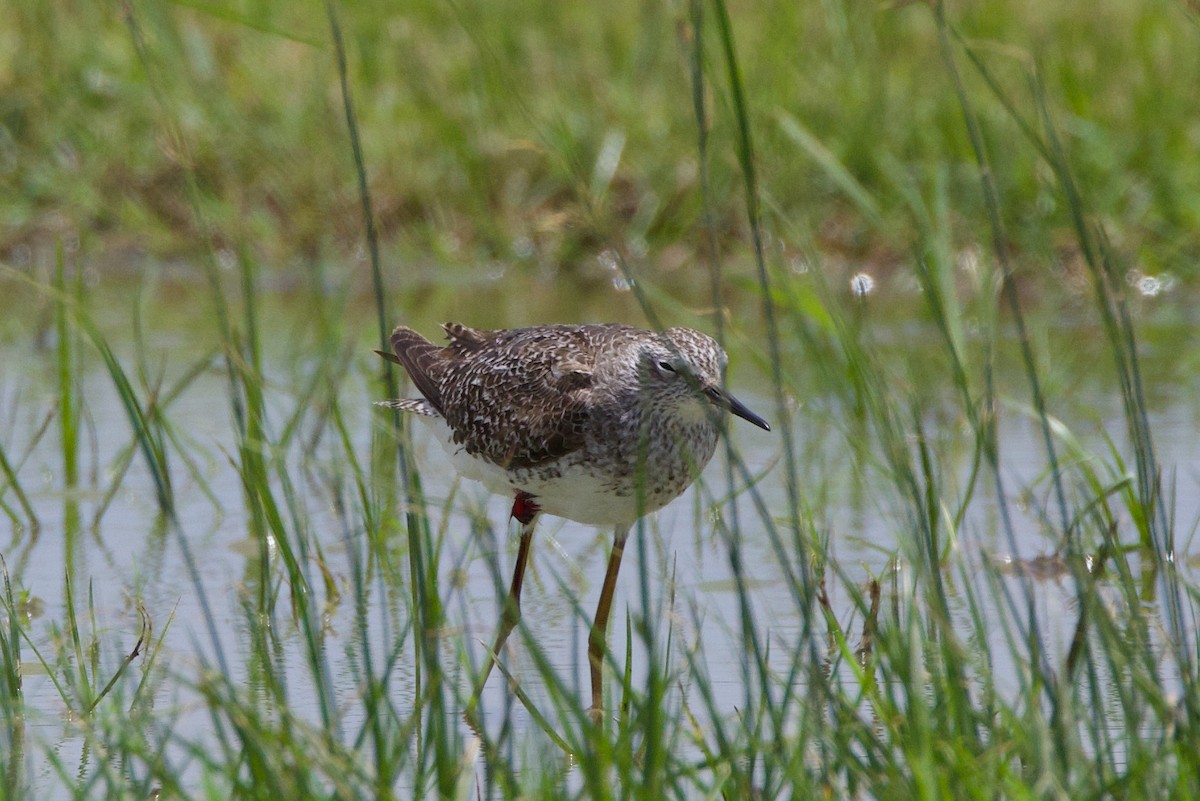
(677, 573)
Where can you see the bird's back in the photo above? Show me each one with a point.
(518, 398)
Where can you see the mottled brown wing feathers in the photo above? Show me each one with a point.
(420, 359)
(518, 398)
(411, 405)
(464, 338)
(524, 393)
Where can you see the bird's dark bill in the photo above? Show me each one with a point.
(739, 408)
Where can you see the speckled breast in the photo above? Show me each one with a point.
(616, 486)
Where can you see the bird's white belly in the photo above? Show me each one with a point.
(586, 497)
(491, 476)
(571, 488)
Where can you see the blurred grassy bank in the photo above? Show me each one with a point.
(541, 134)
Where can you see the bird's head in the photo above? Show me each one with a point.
(683, 369)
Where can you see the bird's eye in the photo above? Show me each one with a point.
(666, 367)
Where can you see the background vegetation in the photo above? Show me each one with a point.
(541, 134)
